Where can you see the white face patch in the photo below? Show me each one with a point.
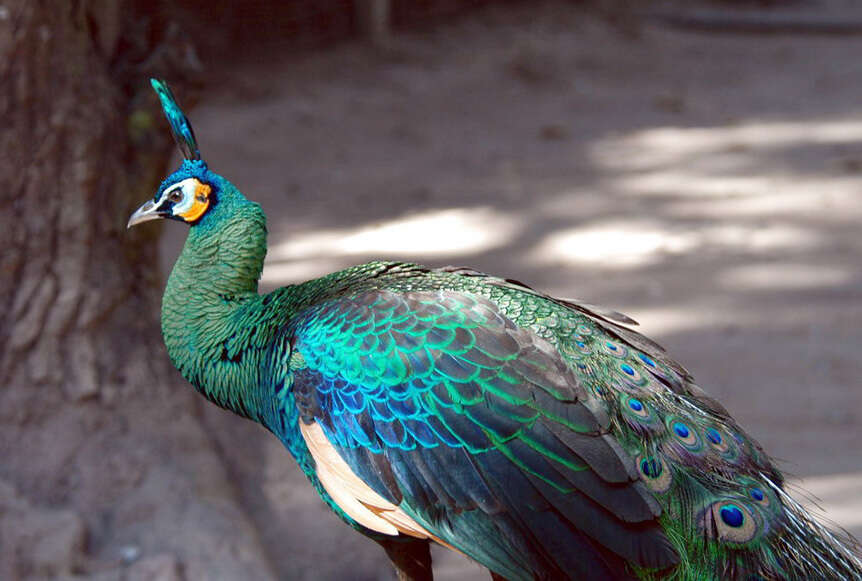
(186, 189)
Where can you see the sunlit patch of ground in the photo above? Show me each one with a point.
(431, 235)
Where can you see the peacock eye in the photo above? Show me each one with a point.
(175, 196)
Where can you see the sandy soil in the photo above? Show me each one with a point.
(706, 185)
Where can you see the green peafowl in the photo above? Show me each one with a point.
(543, 438)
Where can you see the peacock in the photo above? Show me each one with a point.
(543, 438)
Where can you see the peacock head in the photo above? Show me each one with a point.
(191, 191)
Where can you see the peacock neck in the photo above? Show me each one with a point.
(211, 301)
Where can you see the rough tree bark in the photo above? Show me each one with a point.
(105, 469)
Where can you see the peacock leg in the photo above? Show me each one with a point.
(410, 557)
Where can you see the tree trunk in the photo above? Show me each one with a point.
(105, 464)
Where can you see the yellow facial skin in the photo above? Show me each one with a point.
(200, 204)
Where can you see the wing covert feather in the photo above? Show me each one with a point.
(463, 407)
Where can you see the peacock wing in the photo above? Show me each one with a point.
(430, 413)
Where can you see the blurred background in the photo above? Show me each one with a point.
(696, 165)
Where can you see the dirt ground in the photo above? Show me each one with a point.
(709, 186)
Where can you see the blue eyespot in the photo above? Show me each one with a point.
(732, 516)
(636, 404)
(713, 436)
(611, 346)
(681, 429)
(627, 369)
(646, 360)
(757, 494)
(581, 344)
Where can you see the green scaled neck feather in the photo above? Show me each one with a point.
(210, 292)
(211, 296)
(543, 438)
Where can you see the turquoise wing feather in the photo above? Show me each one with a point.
(477, 428)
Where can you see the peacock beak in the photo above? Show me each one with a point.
(148, 211)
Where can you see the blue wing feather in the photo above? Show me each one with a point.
(479, 424)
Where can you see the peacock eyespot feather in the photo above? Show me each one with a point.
(587, 370)
(631, 375)
(731, 521)
(685, 436)
(714, 436)
(722, 443)
(582, 349)
(616, 350)
(762, 496)
(650, 468)
(639, 415)
(583, 330)
(646, 360)
(654, 473)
